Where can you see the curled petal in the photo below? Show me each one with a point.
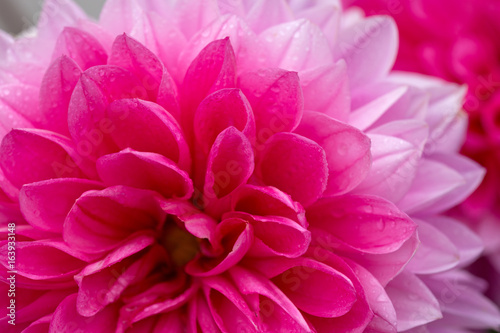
(100, 220)
(265, 201)
(295, 165)
(152, 171)
(347, 150)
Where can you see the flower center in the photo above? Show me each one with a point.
(181, 246)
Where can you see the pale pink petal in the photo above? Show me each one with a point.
(415, 304)
(45, 204)
(296, 46)
(436, 253)
(276, 12)
(147, 171)
(81, 47)
(55, 93)
(23, 100)
(368, 42)
(192, 15)
(295, 165)
(326, 90)
(347, 150)
(118, 16)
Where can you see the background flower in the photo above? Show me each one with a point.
(232, 166)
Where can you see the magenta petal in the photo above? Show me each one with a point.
(233, 233)
(97, 87)
(131, 118)
(287, 316)
(213, 69)
(380, 226)
(267, 201)
(100, 220)
(230, 163)
(295, 165)
(228, 307)
(45, 204)
(326, 90)
(278, 236)
(223, 108)
(41, 260)
(415, 304)
(28, 156)
(80, 46)
(102, 282)
(276, 99)
(312, 286)
(67, 320)
(133, 56)
(347, 150)
(147, 171)
(55, 93)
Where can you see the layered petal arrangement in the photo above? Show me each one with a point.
(460, 46)
(231, 166)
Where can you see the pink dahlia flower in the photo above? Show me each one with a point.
(230, 166)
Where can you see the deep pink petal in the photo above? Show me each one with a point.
(380, 226)
(213, 69)
(145, 170)
(295, 165)
(135, 57)
(130, 118)
(223, 108)
(230, 163)
(267, 201)
(347, 150)
(29, 156)
(314, 287)
(276, 100)
(45, 204)
(67, 320)
(100, 220)
(80, 46)
(97, 87)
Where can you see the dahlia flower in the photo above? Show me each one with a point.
(231, 166)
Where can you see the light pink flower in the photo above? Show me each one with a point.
(228, 166)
